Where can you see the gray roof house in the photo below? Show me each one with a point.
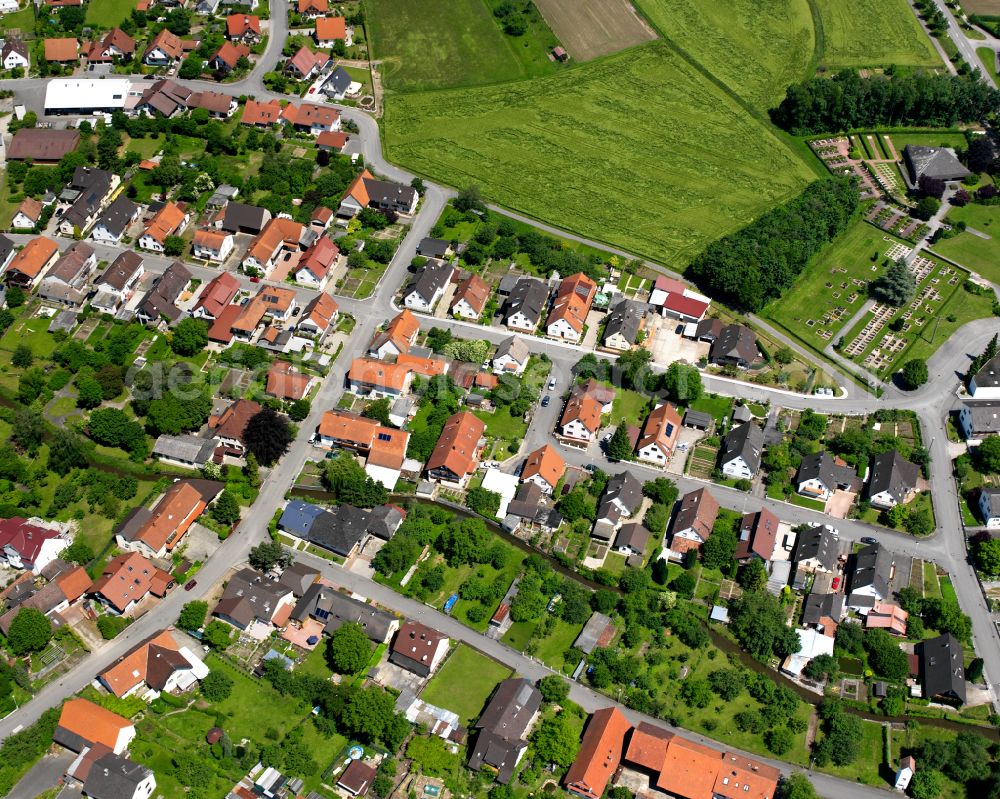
(297, 577)
(622, 328)
(942, 669)
(511, 356)
(934, 162)
(868, 577)
(503, 728)
(735, 345)
(741, 451)
(7, 250)
(428, 286)
(111, 224)
(240, 218)
(160, 300)
(339, 528)
(434, 248)
(818, 607)
(625, 491)
(112, 776)
(251, 596)
(524, 307)
(820, 474)
(184, 450)
(337, 84)
(978, 419)
(891, 480)
(327, 605)
(817, 548)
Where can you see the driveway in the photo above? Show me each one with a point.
(45, 774)
(839, 505)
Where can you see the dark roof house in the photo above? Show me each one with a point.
(159, 300)
(892, 479)
(736, 345)
(334, 608)
(503, 726)
(942, 669)
(934, 162)
(819, 546)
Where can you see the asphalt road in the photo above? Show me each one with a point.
(966, 47)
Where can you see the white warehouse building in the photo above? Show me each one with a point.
(86, 95)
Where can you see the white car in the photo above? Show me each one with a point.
(552, 384)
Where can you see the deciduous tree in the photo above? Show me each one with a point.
(267, 435)
(348, 649)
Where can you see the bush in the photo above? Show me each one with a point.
(111, 626)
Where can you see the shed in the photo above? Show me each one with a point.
(698, 420)
(596, 634)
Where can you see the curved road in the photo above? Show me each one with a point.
(931, 403)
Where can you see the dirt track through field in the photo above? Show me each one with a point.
(592, 28)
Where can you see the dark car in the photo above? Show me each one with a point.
(867, 539)
(190, 584)
(546, 400)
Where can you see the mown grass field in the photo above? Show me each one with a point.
(942, 138)
(465, 682)
(756, 47)
(604, 150)
(426, 44)
(972, 251)
(870, 33)
(108, 13)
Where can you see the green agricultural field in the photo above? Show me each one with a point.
(426, 44)
(639, 150)
(814, 293)
(981, 255)
(756, 47)
(108, 13)
(465, 682)
(867, 33)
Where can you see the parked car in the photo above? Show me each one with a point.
(867, 539)
(836, 583)
(546, 400)
(190, 584)
(552, 384)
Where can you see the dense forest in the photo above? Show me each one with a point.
(848, 102)
(755, 265)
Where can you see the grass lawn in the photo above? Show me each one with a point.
(7, 208)
(947, 589)
(615, 563)
(974, 252)
(716, 406)
(500, 424)
(805, 502)
(551, 648)
(108, 13)
(931, 585)
(62, 406)
(23, 19)
(867, 33)
(34, 332)
(146, 147)
(989, 60)
(517, 141)
(756, 47)
(906, 741)
(425, 44)
(465, 682)
(629, 406)
(866, 768)
(930, 138)
(812, 297)
(519, 634)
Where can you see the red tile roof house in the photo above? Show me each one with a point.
(127, 580)
(170, 220)
(397, 338)
(30, 543)
(334, 141)
(456, 456)
(471, 297)
(62, 51)
(581, 417)
(544, 467)
(156, 532)
(659, 435)
(319, 316)
(693, 523)
(216, 296)
(330, 30)
(280, 236)
(600, 754)
(306, 64)
(570, 308)
(287, 383)
(152, 666)
(31, 263)
(227, 57)
(229, 425)
(83, 724)
(373, 378)
(164, 50)
(316, 263)
(114, 44)
(758, 533)
(312, 8)
(213, 245)
(243, 28)
(261, 115)
(311, 118)
(28, 214)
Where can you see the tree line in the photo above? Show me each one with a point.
(848, 102)
(755, 265)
